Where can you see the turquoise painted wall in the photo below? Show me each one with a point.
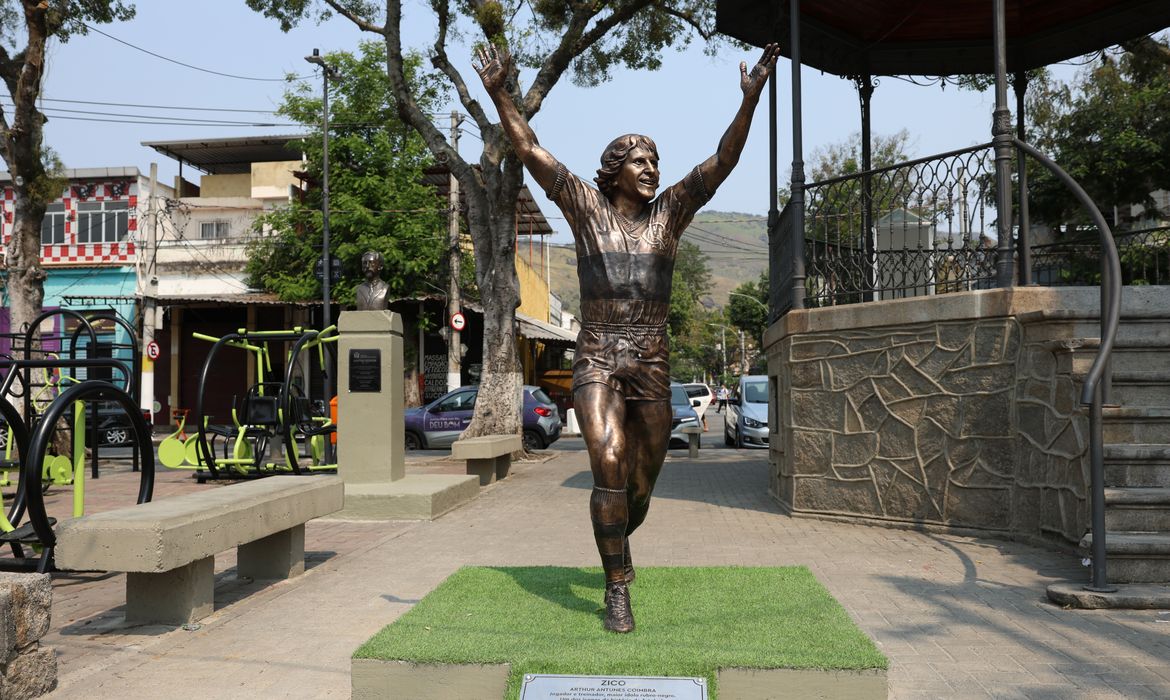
(98, 282)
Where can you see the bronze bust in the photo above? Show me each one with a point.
(371, 294)
(626, 244)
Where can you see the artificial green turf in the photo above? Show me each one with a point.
(690, 622)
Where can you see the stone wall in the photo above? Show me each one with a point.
(27, 670)
(949, 410)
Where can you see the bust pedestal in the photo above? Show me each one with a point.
(370, 428)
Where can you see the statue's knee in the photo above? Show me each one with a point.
(610, 461)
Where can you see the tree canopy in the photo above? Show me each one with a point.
(746, 314)
(25, 29)
(588, 40)
(1110, 129)
(378, 200)
(692, 280)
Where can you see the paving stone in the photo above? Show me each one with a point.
(950, 610)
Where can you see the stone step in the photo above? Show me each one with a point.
(1150, 329)
(1141, 387)
(1137, 465)
(1140, 424)
(1137, 510)
(1134, 557)
(1076, 355)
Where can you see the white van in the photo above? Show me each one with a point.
(747, 413)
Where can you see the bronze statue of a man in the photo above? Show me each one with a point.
(371, 294)
(626, 244)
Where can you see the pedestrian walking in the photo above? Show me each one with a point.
(723, 394)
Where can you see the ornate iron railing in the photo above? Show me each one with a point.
(1144, 255)
(921, 227)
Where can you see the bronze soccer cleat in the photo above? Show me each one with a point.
(618, 615)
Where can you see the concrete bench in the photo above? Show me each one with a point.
(489, 457)
(167, 547)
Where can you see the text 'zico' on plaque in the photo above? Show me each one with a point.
(560, 687)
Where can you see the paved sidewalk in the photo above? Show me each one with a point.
(958, 617)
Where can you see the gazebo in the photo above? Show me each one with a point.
(934, 383)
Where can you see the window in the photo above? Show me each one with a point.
(102, 222)
(213, 229)
(53, 225)
(463, 401)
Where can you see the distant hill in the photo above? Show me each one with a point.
(736, 246)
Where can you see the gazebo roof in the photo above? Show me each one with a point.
(939, 37)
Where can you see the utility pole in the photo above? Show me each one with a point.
(722, 345)
(149, 290)
(743, 361)
(327, 72)
(454, 301)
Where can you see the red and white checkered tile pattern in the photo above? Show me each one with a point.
(72, 252)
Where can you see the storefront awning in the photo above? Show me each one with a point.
(539, 330)
(229, 299)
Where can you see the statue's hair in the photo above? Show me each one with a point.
(614, 156)
(372, 255)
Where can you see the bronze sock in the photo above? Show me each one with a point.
(607, 510)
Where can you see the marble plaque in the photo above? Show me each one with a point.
(562, 687)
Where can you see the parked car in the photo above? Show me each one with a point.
(746, 424)
(114, 428)
(684, 409)
(703, 393)
(439, 423)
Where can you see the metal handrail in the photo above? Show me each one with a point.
(1092, 393)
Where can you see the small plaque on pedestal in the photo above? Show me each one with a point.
(365, 370)
(560, 687)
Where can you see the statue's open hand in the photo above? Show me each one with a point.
(493, 67)
(753, 83)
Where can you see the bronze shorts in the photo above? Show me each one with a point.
(632, 360)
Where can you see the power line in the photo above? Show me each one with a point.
(163, 123)
(145, 106)
(188, 65)
(50, 111)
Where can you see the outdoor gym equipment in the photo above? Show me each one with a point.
(132, 384)
(270, 412)
(39, 522)
(38, 468)
(296, 409)
(70, 361)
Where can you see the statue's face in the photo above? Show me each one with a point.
(639, 174)
(371, 267)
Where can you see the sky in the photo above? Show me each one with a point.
(684, 107)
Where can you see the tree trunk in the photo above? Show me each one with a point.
(26, 278)
(411, 396)
(21, 147)
(497, 408)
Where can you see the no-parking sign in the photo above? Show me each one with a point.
(152, 350)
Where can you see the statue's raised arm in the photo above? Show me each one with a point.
(715, 169)
(494, 67)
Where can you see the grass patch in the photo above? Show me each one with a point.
(690, 622)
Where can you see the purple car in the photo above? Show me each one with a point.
(439, 423)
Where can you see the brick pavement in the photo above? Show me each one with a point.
(958, 616)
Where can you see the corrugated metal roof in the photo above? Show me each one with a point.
(244, 299)
(530, 219)
(229, 156)
(532, 328)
